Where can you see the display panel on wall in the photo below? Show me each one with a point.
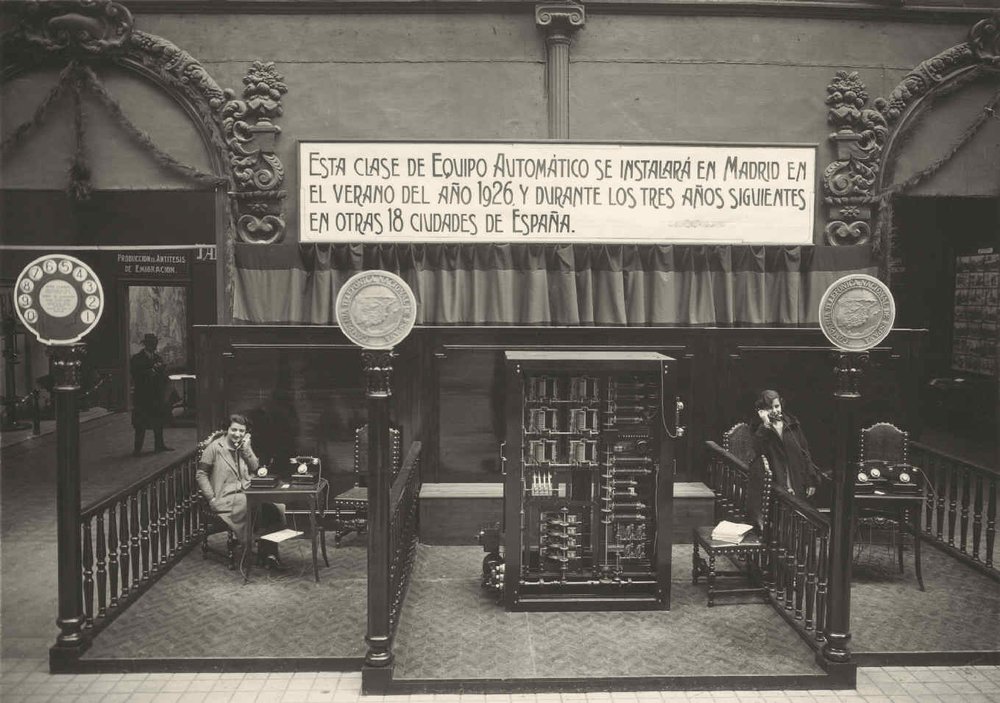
(160, 310)
(555, 192)
(977, 313)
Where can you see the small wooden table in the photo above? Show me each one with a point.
(905, 509)
(291, 494)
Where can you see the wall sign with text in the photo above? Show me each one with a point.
(555, 192)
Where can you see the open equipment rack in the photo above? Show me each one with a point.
(589, 480)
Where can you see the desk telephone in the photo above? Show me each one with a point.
(263, 478)
(887, 478)
(305, 470)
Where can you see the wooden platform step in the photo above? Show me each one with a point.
(453, 513)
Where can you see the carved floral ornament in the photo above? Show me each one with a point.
(851, 183)
(240, 130)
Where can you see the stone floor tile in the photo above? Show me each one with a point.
(166, 697)
(243, 697)
(269, 697)
(192, 697)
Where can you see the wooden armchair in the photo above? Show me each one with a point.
(886, 448)
(350, 508)
(211, 523)
(755, 509)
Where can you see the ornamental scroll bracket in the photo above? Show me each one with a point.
(257, 173)
(848, 182)
(864, 134)
(240, 131)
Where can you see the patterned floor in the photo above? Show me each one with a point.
(201, 609)
(451, 629)
(958, 611)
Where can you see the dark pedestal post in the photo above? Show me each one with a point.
(64, 363)
(378, 375)
(10, 360)
(846, 396)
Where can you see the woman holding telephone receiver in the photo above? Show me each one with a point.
(780, 438)
(223, 475)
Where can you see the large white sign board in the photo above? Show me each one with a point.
(555, 192)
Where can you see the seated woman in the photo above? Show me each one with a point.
(223, 475)
(779, 437)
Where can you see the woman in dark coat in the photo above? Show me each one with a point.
(780, 438)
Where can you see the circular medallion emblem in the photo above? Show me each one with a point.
(857, 312)
(376, 309)
(59, 299)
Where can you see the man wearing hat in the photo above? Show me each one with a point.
(149, 384)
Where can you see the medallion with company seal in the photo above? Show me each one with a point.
(857, 312)
(376, 309)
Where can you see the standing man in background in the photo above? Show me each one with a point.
(149, 384)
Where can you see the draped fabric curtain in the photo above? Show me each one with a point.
(552, 284)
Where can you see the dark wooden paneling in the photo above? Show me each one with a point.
(306, 382)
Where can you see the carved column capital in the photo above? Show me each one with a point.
(848, 370)
(378, 372)
(65, 361)
(560, 18)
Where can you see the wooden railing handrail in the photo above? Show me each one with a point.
(979, 468)
(807, 510)
(726, 455)
(106, 502)
(803, 507)
(399, 485)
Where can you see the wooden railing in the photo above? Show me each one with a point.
(796, 566)
(799, 561)
(130, 538)
(960, 511)
(403, 531)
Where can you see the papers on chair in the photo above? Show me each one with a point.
(281, 535)
(732, 532)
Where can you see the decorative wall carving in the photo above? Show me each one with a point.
(853, 184)
(848, 182)
(239, 131)
(257, 173)
(92, 26)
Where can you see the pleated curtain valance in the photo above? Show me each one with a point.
(552, 284)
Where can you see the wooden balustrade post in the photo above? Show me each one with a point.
(378, 376)
(848, 371)
(64, 364)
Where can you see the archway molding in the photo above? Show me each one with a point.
(238, 134)
(869, 137)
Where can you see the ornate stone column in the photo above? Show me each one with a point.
(560, 21)
(65, 362)
(848, 370)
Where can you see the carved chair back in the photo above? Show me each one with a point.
(738, 441)
(883, 441)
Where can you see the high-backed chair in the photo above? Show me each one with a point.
(884, 443)
(211, 523)
(350, 508)
(756, 511)
(727, 484)
(738, 441)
